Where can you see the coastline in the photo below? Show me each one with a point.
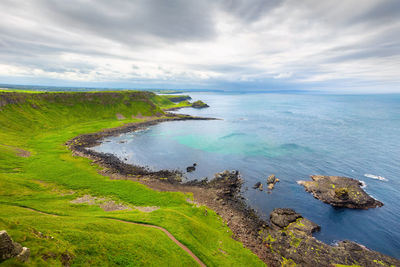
(222, 196)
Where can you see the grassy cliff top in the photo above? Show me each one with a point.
(40, 178)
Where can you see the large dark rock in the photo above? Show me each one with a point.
(10, 249)
(340, 192)
(228, 183)
(283, 217)
(191, 168)
(258, 186)
(271, 181)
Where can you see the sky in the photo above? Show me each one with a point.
(330, 45)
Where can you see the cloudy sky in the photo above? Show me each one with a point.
(330, 45)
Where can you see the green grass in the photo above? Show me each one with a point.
(48, 180)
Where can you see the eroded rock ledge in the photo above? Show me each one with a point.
(340, 192)
(290, 237)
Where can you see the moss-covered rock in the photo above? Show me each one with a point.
(199, 104)
(340, 192)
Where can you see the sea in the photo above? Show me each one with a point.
(292, 136)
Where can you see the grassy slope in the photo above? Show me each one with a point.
(42, 124)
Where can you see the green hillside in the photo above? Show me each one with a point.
(39, 177)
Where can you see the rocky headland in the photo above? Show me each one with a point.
(340, 192)
(179, 98)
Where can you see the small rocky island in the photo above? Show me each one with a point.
(340, 192)
(199, 104)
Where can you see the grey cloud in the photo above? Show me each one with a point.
(385, 11)
(250, 10)
(129, 21)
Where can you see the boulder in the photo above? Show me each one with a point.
(10, 249)
(282, 217)
(271, 181)
(191, 168)
(258, 186)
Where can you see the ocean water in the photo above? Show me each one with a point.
(292, 136)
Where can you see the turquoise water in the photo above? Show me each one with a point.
(292, 136)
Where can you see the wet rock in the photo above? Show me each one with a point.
(258, 186)
(340, 192)
(228, 183)
(10, 249)
(271, 181)
(191, 168)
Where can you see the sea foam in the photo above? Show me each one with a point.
(376, 177)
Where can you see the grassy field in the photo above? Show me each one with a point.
(36, 191)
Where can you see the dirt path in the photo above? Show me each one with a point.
(170, 236)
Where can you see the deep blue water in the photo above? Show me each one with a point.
(292, 136)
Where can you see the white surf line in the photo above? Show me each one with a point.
(376, 177)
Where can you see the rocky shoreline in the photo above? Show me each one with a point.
(286, 239)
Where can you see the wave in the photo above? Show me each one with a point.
(376, 177)
(363, 184)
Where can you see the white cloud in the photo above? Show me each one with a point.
(301, 42)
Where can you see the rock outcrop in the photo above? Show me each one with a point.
(271, 181)
(290, 240)
(10, 249)
(258, 186)
(340, 192)
(199, 104)
(191, 168)
(228, 183)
